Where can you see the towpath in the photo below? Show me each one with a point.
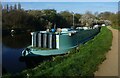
(110, 66)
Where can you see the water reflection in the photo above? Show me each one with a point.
(17, 41)
(34, 60)
(10, 59)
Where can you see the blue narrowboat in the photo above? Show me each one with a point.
(46, 43)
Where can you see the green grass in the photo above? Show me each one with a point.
(83, 61)
(116, 27)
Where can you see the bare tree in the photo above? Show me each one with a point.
(19, 6)
(11, 8)
(15, 7)
(7, 7)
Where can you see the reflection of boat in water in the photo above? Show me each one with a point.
(60, 42)
(31, 62)
(18, 40)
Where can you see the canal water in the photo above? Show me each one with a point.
(12, 46)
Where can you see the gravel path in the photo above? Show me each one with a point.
(110, 66)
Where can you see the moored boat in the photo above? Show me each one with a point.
(46, 43)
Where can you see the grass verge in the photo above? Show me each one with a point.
(82, 61)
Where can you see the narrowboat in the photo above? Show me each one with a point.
(57, 42)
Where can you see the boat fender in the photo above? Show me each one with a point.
(69, 34)
(26, 51)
